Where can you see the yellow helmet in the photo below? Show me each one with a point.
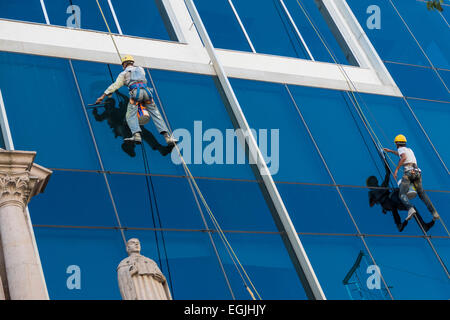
(127, 58)
(400, 139)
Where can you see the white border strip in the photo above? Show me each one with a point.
(242, 26)
(296, 30)
(44, 10)
(115, 17)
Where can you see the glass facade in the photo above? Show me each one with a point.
(320, 149)
(86, 14)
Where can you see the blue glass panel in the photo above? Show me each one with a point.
(410, 267)
(237, 205)
(268, 106)
(316, 208)
(339, 133)
(60, 203)
(96, 252)
(269, 28)
(419, 82)
(217, 14)
(389, 117)
(371, 220)
(49, 118)
(312, 40)
(186, 98)
(89, 14)
(175, 202)
(29, 10)
(262, 256)
(435, 118)
(431, 32)
(332, 258)
(147, 23)
(191, 257)
(392, 40)
(443, 248)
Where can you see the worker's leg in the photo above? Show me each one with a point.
(404, 187)
(132, 118)
(158, 120)
(423, 196)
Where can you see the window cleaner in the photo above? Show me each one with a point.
(411, 174)
(389, 199)
(141, 105)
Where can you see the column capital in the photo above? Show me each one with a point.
(20, 177)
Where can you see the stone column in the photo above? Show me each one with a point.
(20, 180)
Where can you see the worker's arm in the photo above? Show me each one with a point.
(391, 151)
(400, 163)
(115, 86)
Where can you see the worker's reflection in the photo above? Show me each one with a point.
(116, 121)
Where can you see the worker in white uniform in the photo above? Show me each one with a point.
(411, 174)
(134, 78)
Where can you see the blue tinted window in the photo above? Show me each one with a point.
(419, 82)
(332, 257)
(392, 40)
(269, 28)
(149, 25)
(49, 118)
(237, 205)
(339, 133)
(74, 199)
(29, 10)
(97, 253)
(217, 14)
(434, 117)
(430, 30)
(66, 13)
(312, 39)
(262, 255)
(268, 107)
(410, 267)
(316, 208)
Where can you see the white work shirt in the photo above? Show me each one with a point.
(123, 79)
(410, 157)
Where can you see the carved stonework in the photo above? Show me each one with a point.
(20, 271)
(15, 188)
(139, 277)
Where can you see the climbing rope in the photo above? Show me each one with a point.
(241, 270)
(150, 186)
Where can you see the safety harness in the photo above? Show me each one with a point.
(138, 85)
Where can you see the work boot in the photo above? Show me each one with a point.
(136, 138)
(402, 226)
(411, 212)
(428, 225)
(170, 140)
(435, 216)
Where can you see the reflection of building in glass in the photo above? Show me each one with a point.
(356, 282)
(335, 87)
